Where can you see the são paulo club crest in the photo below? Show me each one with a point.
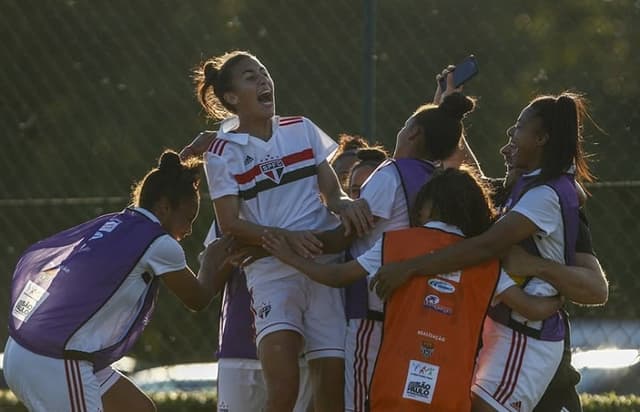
(272, 169)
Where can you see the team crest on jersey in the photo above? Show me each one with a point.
(273, 169)
(427, 349)
(517, 405)
(263, 310)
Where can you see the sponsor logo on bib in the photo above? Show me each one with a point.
(441, 286)
(422, 378)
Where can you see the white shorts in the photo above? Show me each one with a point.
(241, 386)
(513, 370)
(361, 351)
(299, 304)
(49, 384)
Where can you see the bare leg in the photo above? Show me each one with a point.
(279, 352)
(327, 378)
(479, 405)
(124, 395)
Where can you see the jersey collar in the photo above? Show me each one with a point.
(228, 125)
(445, 227)
(149, 214)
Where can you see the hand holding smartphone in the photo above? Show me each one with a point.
(463, 72)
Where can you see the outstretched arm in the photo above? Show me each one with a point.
(196, 292)
(509, 230)
(198, 146)
(227, 210)
(335, 275)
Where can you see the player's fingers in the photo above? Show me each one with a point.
(311, 237)
(373, 283)
(367, 212)
(363, 222)
(347, 225)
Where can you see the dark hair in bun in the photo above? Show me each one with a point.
(173, 179)
(442, 126)
(210, 73)
(169, 162)
(457, 105)
(372, 156)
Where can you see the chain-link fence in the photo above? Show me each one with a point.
(91, 92)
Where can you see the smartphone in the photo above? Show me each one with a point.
(464, 71)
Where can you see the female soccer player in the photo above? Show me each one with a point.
(429, 136)
(270, 173)
(81, 298)
(543, 213)
(367, 160)
(346, 156)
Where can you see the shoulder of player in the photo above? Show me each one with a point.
(385, 178)
(537, 198)
(285, 121)
(225, 149)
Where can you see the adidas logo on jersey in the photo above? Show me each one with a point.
(516, 405)
(247, 160)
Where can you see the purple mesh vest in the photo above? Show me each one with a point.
(553, 328)
(236, 338)
(414, 173)
(62, 281)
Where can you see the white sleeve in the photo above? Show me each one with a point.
(371, 260)
(220, 180)
(165, 255)
(504, 282)
(323, 146)
(541, 206)
(380, 191)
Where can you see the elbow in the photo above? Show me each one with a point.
(600, 296)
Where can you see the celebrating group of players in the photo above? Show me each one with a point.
(418, 293)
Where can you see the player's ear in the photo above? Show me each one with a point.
(231, 98)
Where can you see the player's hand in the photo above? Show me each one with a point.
(198, 146)
(440, 94)
(278, 246)
(246, 255)
(356, 217)
(220, 250)
(389, 278)
(304, 243)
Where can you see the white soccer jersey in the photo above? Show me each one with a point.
(114, 319)
(384, 193)
(276, 180)
(541, 206)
